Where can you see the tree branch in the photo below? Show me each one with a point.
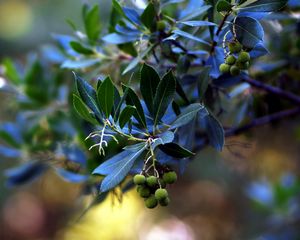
(274, 90)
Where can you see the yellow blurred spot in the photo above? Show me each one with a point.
(107, 221)
(15, 19)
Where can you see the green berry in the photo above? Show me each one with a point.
(224, 68)
(230, 60)
(151, 202)
(144, 192)
(139, 179)
(234, 47)
(242, 66)
(151, 181)
(161, 194)
(165, 202)
(243, 57)
(234, 70)
(161, 25)
(170, 177)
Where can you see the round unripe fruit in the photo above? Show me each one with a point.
(170, 177)
(139, 179)
(151, 202)
(243, 57)
(242, 66)
(234, 47)
(151, 181)
(234, 71)
(224, 68)
(161, 194)
(161, 25)
(230, 60)
(144, 192)
(165, 202)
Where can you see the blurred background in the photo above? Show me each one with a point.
(249, 191)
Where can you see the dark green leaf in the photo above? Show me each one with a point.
(175, 150)
(125, 115)
(149, 80)
(92, 23)
(215, 132)
(202, 83)
(132, 99)
(148, 16)
(10, 71)
(88, 95)
(262, 6)
(164, 96)
(78, 47)
(223, 6)
(248, 30)
(187, 115)
(82, 109)
(105, 96)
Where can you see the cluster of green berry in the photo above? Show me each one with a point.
(236, 61)
(152, 188)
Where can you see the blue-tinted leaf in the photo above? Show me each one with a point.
(214, 61)
(132, 15)
(125, 115)
(135, 147)
(74, 154)
(116, 38)
(76, 64)
(25, 173)
(187, 115)
(11, 134)
(167, 2)
(262, 6)
(71, 176)
(149, 80)
(194, 12)
(105, 96)
(9, 152)
(258, 51)
(125, 30)
(248, 30)
(163, 96)
(189, 36)
(120, 170)
(215, 132)
(175, 150)
(198, 23)
(164, 138)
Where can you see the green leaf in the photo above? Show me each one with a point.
(133, 100)
(163, 96)
(125, 115)
(175, 150)
(88, 95)
(120, 169)
(82, 109)
(248, 30)
(215, 132)
(202, 83)
(78, 47)
(187, 115)
(223, 6)
(262, 5)
(105, 96)
(149, 80)
(148, 16)
(10, 71)
(92, 23)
